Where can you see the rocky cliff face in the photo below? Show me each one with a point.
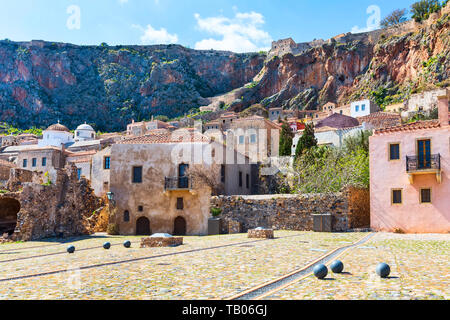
(42, 82)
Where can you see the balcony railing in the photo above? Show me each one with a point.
(178, 183)
(423, 163)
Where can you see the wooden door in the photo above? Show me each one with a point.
(179, 228)
(143, 227)
(424, 153)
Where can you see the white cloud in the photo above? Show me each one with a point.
(243, 33)
(153, 36)
(123, 1)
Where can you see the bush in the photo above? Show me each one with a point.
(422, 10)
(216, 212)
(113, 229)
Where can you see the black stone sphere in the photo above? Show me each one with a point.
(383, 270)
(320, 271)
(127, 244)
(107, 245)
(337, 266)
(70, 249)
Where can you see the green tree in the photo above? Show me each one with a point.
(360, 141)
(422, 9)
(306, 141)
(394, 18)
(286, 140)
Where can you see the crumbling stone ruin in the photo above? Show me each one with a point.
(35, 208)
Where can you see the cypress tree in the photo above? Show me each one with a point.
(306, 141)
(286, 140)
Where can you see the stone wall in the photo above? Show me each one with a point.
(60, 209)
(284, 212)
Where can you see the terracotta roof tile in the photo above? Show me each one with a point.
(164, 136)
(382, 119)
(338, 121)
(419, 125)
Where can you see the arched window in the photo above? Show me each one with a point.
(126, 216)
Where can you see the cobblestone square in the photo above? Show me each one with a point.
(219, 267)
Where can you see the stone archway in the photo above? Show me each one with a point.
(9, 208)
(143, 227)
(179, 227)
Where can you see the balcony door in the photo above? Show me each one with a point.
(183, 180)
(424, 153)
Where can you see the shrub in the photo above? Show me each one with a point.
(113, 229)
(216, 212)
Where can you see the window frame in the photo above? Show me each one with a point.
(392, 197)
(24, 163)
(180, 203)
(421, 196)
(126, 216)
(104, 162)
(33, 162)
(399, 151)
(133, 168)
(44, 161)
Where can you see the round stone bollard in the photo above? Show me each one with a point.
(337, 266)
(383, 270)
(70, 249)
(127, 244)
(107, 245)
(320, 271)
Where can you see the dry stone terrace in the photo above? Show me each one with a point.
(228, 265)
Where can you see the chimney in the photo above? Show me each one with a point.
(443, 110)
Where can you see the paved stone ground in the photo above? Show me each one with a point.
(420, 269)
(212, 274)
(223, 272)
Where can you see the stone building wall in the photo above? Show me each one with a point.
(284, 212)
(61, 209)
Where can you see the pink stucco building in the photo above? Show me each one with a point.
(410, 176)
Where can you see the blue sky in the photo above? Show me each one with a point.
(241, 26)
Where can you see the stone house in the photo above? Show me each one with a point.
(36, 158)
(423, 102)
(213, 125)
(344, 110)
(100, 171)
(82, 161)
(328, 107)
(363, 108)
(226, 120)
(332, 131)
(275, 114)
(395, 108)
(379, 120)
(410, 176)
(161, 182)
(256, 137)
(140, 128)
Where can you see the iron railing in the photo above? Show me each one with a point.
(178, 183)
(426, 162)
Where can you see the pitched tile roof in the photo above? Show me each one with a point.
(165, 136)
(419, 125)
(382, 119)
(338, 121)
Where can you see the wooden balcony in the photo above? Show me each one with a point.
(424, 165)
